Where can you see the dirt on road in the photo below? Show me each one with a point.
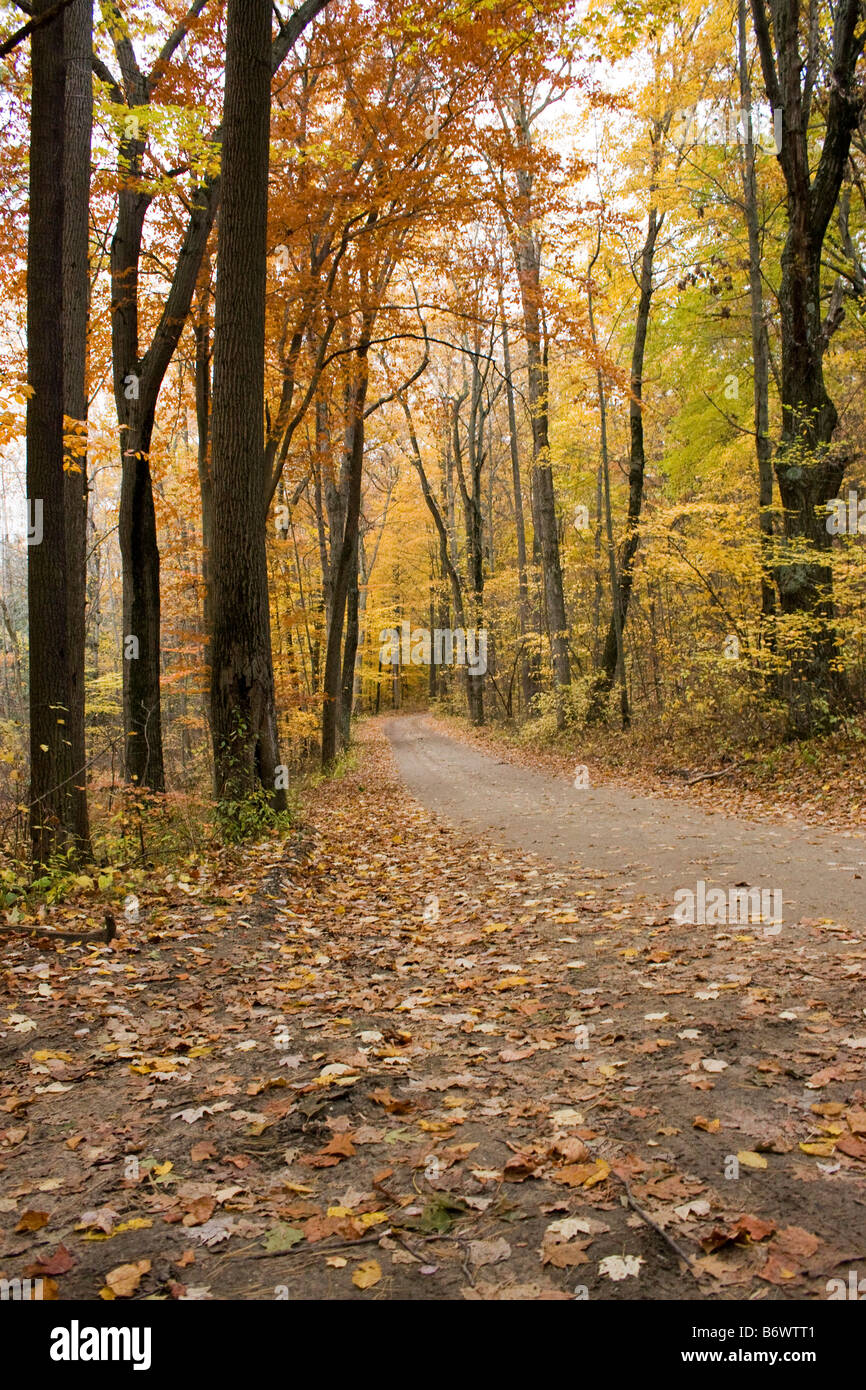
(645, 845)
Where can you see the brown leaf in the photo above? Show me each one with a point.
(199, 1211)
(33, 1220)
(518, 1168)
(59, 1263)
(850, 1145)
(393, 1105)
(583, 1174)
(793, 1240)
(565, 1254)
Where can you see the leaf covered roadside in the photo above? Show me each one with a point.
(378, 1060)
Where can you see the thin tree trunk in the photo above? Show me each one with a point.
(474, 683)
(615, 586)
(760, 354)
(637, 466)
(529, 273)
(350, 652)
(342, 575)
(202, 416)
(528, 684)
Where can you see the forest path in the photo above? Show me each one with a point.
(647, 845)
(380, 1057)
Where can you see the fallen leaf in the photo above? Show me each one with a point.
(367, 1274)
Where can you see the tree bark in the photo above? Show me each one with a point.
(52, 799)
(243, 714)
(760, 347)
(529, 274)
(474, 683)
(528, 683)
(621, 596)
(809, 472)
(341, 575)
(78, 45)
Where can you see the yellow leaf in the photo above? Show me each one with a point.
(123, 1281)
(367, 1274)
(373, 1218)
(602, 1172)
(45, 1055)
(822, 1149)
(751, 1160)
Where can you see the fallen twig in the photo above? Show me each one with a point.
(677, 1249)
(710, 776)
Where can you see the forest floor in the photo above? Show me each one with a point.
(392, 1057)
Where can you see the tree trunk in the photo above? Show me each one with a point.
(529, 272)
(760, 352)
(615, 587)
(141, 612)
(53, 820)
(342, 573)
(243, 714)
(808, 471)
(350, 652)
(202, 417)
(474, 683)
(637, 466)
(78, 44)
(528, 683)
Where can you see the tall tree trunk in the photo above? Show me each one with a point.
(53, 819)
(528, 683)
(78, 48)
(243, 714)
(141, 611)
(621, 596)
(342, 573)
(760, 347)
(350, 652)
(474, 683)
(809, 472)
(202, 417)
(529, 274)
(608, 515)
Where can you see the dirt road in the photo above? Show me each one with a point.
(647, 846)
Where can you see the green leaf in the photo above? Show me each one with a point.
(282, 1237)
